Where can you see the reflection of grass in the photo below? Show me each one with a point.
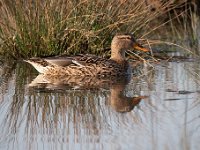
(53, 115)
(72, 113)
(35, 28)
(49, 112)
(6, 71)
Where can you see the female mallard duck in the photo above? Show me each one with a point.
(90, 65)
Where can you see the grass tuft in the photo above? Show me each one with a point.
(52, 27)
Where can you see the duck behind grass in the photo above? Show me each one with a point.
(91, 65)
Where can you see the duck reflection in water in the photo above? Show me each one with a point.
(118, 100)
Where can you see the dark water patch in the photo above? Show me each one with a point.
(185, 92)
(179, 92)
(172, 99)
(176, 99)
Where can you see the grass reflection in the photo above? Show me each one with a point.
(71, 115)
(64, 110)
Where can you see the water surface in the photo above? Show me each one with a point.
(158, 109)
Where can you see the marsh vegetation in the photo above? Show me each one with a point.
(42, 28)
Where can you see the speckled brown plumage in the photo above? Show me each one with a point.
(90, 65)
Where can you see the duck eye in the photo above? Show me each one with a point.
(125, 38)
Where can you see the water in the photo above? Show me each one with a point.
(92, 114)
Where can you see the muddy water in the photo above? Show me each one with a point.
(158, 108)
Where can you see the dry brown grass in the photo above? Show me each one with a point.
(39, 28)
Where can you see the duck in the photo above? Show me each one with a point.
(88, 64)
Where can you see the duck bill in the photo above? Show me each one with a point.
(140, 48)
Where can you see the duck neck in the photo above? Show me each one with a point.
(118, 56)
(117, 91)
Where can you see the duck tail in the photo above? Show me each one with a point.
(37, 65)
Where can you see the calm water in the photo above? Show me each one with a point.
(158, 109)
